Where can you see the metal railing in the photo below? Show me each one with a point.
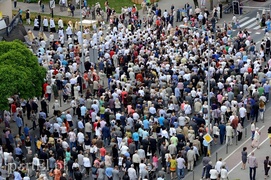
(13, 24)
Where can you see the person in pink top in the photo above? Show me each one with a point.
(155, 161)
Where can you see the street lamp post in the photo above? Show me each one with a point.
(82, 59)
(209, 103)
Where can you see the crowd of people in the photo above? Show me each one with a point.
(140, 111)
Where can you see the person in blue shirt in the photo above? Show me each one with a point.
(161, 120)
(19, 123)
(136, 138)
(109, 173)
(146, 124)
(26, 130)
(19, 152)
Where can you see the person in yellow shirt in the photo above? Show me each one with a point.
(39, 143)
(173, 167)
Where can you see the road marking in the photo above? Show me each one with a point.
(247, 22)
(240, 146)
(257, 32)
(258, 27)
(243, 19)
(258, 42)
(248, 155)
(252, 25)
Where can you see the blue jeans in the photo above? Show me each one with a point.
(106, 141)
(203, 172)
(252, 174)
(72, 144)
(266, 94)
(180, 173)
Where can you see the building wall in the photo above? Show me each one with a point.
(6, 8)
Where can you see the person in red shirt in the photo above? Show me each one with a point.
(13, 110)
(102, 153)
(111, 53)
(139, 77)
(44, 89)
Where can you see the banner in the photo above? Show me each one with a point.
(52, 4)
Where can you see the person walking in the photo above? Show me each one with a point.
(214, 174)
(229, 134)
(266, 165)
(181, 167)
(269, 135)
(244, 158)
(256, 140)
(253, 164)
(205, 162)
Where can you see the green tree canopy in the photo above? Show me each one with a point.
(20, 72)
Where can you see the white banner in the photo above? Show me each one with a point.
(52, 4)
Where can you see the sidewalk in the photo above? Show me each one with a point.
(163, 4)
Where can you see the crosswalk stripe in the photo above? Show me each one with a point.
(247, 22)
(243, 19)
(252, 25)
(257, 27)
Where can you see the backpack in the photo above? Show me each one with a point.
(204, 110)
(94, 170)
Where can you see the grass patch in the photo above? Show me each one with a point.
(116, 4)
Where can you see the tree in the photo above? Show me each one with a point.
(20, 72)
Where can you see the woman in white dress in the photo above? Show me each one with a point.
(256, 140)
(76, 91)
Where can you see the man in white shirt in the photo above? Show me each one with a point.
(80, 137)
(69, 118)
(180, 167)
(72, 139)
(242, 113)
(36, 162)
(218, 165)
(132, 173)
(124, 149)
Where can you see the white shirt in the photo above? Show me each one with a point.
(242, 112)
(80, 137)
(213, 174)
(180, 163)
(142, 166)
(72, 136)
(86, 162)
(124, 149)
(68, 117)
(224, 173)
(218, 166)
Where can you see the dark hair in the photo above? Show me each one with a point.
(244, 148)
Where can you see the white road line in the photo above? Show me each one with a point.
(248, 155)
(257, 27)
(257, 32)
(243, 19)
(240, 146)
(252, 25)
(247, 22)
